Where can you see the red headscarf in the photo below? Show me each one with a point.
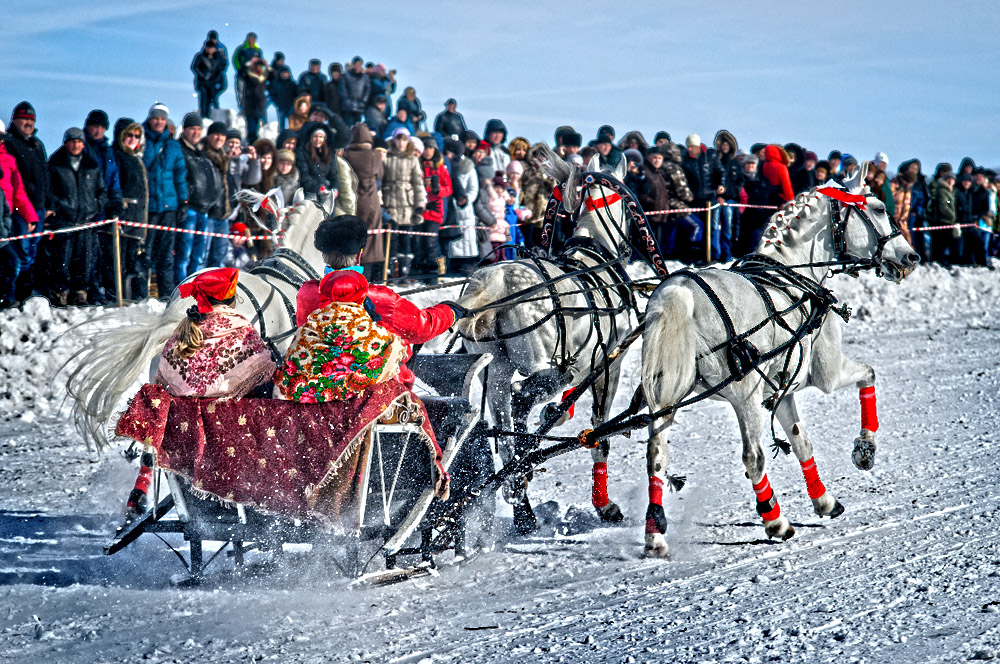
(343, 286)
(219, 284)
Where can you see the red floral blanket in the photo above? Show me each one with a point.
(290, 458)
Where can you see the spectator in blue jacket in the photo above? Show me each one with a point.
(168, 194)
(384, 83)
(399, 120)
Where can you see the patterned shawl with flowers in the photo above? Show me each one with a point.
(338, 353)
(231, 361)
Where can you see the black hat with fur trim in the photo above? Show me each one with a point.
(572, 139)
(345, 234)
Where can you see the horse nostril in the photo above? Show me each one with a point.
(912, 259)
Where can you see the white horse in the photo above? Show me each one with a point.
(124, 344)
(554, 336)
(684, 345)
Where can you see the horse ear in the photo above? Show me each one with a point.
(298, 196)
(594, 165)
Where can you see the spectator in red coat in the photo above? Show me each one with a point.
(437, 183)
(342, 241)
(775, 172)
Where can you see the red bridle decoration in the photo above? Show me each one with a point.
(856, 200)
(604, 201)
(869, 415)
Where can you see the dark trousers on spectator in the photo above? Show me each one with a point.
(206, 95)
(9, 266)
(426, 249)
(26, 251)
(253, 126)
(160, 249)
(69, 261)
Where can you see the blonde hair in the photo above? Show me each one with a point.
(189, 335)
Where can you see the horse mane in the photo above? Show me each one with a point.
(788, 216)
(562, 172)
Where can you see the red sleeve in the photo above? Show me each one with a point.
(786, 184)
(21, 204)
(444, 180)
(306, 301)
(413, 324)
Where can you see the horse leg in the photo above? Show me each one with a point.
(657, 458)
(823, 503)
(499, 396)
(604, 396)
(752, 427)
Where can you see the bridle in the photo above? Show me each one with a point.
(841, 200)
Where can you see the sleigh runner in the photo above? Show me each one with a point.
(364, 475)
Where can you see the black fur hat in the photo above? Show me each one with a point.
(345, 234)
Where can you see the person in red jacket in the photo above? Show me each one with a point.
(437, 183)
(775, 172)
(341, 240)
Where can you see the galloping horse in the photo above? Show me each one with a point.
(557, 335)
(708, 329)
(124, 344)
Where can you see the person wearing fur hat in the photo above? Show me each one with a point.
(403, 195)
(300, 112)
(127, 149)
(367, 165)
(634, 140)
(536, 187)
(449, 122)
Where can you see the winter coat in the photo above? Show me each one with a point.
(395, 124)
(32, 163)
(376, 121)
(255, 90)
(640, 139)
(775, 173)
(403, 185)
(485, 172)
(438, 187)
(133, 180)
(314, 84)
(224, 185)
(902, 197)
(449, 124)
(536, 186)
(167, 172)
(665, 188)
(367, 166)
(499, 154)
(282, 91)
(288, 184)
(331, 96)
(732, 178)
(464, 177)
(244, 53)
(6, 221)
(315, 174)
(208, 71)
(101, 152)
(963, 205)
(944, 204)
(347, 186)
(201, 179)
(355, 91)
(412, 108)
(78, 196)
(704, 174)
(13, 187)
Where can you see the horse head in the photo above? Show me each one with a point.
(881, 240)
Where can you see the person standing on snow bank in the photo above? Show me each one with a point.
(355, 91)
(209, 68)
(243, 55)
(168, 194)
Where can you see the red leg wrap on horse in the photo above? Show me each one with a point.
(144, 479)
(655, 491)
(765, 494)
(869, 415)
(813, 484)
(572, 408)
(600, 492)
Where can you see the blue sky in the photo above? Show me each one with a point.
(914, 78)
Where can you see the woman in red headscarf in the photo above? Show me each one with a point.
(215, 351)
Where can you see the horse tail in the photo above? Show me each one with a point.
(120, 347)
(668, 347)
(484, 288)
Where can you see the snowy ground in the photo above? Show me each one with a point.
(910, 573)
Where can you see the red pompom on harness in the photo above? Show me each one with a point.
(869, 415)
(767, 504)
(599, 497)
(813, 484)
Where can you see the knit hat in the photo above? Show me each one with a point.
(515, 167)
(810, 156)
(97, 118)
(605, 129)
(661, 134)
(948, 175)
(285, 155)
(468, 135)
(835, 154)
(603, 138)
(451, 100)
(693, 141)
(158, 110)
(457, 148)
(216, 128)
(23, 110)
(757, 147)
(849, 160)
(633, 156)
(484, 146)
(234, 133)
(400, 131)
(192, 120)
(73, 134)
(336, 66)
(751, 159)
(417, 144)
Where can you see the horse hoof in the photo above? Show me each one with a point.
(656, 547)
(610, 513)
(837, 510)
(779, 528)
(863, 455)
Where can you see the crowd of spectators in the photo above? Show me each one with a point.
(345, 142)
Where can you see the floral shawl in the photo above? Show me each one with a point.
(337, 353)
(232, 361)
